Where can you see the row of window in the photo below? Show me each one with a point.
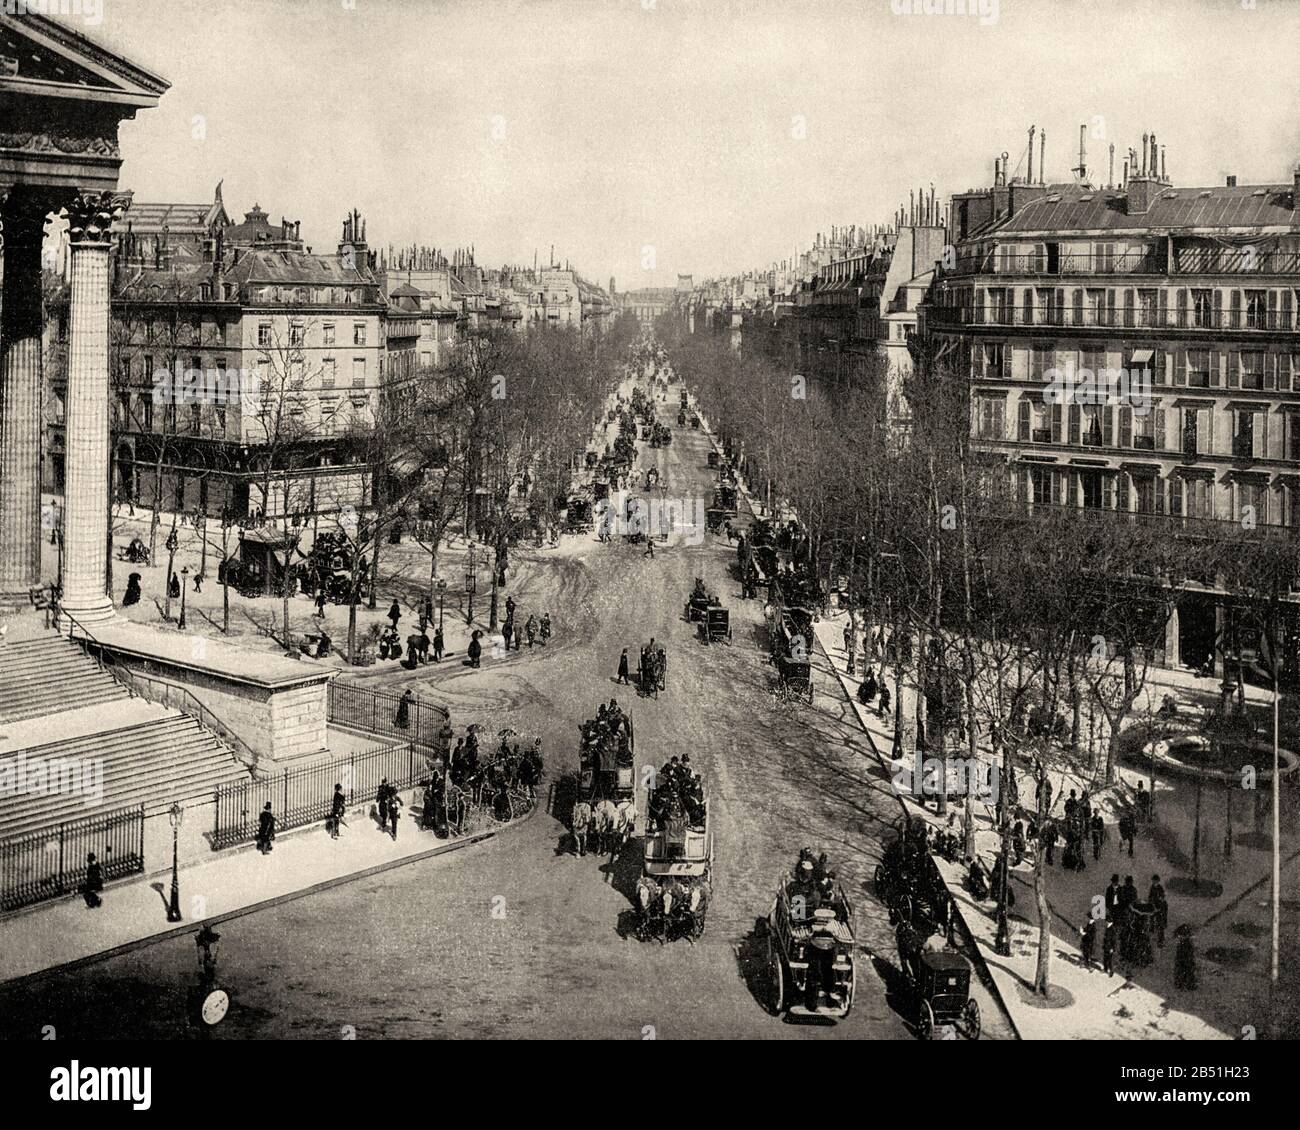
(1177, 496)
(296, 374)
(1191, 367)
(1190, 256)
(298, 334)
(1129, 307)
(1242, 432)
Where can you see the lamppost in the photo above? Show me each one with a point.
(171, 544)
(470, 583)
(442, 594)
(175, 815)
(185, 576)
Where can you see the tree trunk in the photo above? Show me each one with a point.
(1043, 969)
(352, 624)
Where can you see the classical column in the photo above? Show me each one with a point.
(20, 399)
(85, 515)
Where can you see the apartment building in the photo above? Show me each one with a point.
(1134, 349)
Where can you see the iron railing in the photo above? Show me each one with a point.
(51, 862)
(376, 712)
(304, 795)
(142, 685)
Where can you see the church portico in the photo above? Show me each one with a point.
(62, 99)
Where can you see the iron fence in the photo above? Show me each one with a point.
(378, 712)
(304, 795)
(51, 862)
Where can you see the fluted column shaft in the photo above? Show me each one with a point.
(20, 401)
(85, 516)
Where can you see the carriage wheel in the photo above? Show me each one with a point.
(925, 1021)
(776, 977)
(971, 1020)
(810, 694)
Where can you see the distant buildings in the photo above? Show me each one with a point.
(246, 368)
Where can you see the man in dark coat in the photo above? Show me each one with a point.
(1185, 963)
(1160, 907)
(437, 645)
(403, 718)
(1097, 827)
(1112, 896)
(395, 613)
(394, 808)
(265, 829)
(1127, 831)
(381, 799)
(94, 882)
(338, 808)
(622, 667)
(475, 650)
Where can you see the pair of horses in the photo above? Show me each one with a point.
(609, 825)
(671, 909)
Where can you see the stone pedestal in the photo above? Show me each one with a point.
(20, 400)
(85, 538)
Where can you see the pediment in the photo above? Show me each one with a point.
(42, 58)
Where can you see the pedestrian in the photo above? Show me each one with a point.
(198, 582)
(394, 810)
(510, 609)
(265, 829)
(848, 637)
(1047, 836)
(422, 646)
(519, 638)
(132, 591)
(1098, 829)
(426, 612)
(1108, 948)
(532, 631)
(508, 629)
(1112, 896)
(1088, 942)
(437, 645)
(475, 649)
(1127, 830)
(622, 668)
(94, 882)
(884, 698)
(395, 614)
(174, 587)
(1143, 804)
(649, 547)
(381, 800)
(403, 719)
(320, 601)
(1160, 906)
(338, 807)
(546, 627)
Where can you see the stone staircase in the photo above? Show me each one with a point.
(59, 708)
(48, 675)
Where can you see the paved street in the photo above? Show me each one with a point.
(518, 937)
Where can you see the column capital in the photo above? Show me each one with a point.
(91, 216)
(22, 218)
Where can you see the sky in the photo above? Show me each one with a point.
(647, 138)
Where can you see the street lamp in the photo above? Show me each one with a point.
(175, 815)
(171, 544)
(442, 594)
(185, 576)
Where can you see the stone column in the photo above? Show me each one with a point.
(20, 400)
(85, 515)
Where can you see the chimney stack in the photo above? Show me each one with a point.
(1042, 157)
(1110, 175)
(1030, 178)
(1146, 144)
(1082, 167)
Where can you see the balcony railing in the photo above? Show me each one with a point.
(1188, 319)
(1188, 260)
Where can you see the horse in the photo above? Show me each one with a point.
(605, 817)
(580, 823)
(625, 826)
(649, 897)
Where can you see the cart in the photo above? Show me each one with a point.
(713, 460)
(940, 983)
(675, 887)
(716, 625)
(810, 963)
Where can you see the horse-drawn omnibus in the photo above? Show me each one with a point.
(810, 955)
(677, 870)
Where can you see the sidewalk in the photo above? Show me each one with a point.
(1087, 1004)
(225, 885)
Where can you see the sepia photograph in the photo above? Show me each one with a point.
(729, 520)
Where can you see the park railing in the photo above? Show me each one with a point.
(377, 712)
(50, 862)
(305, 795)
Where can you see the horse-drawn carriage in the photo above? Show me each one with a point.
(695, 420)
(810, 954)
(716, 625)
(699, 603)
(677, 870)
(939, 981)
(791, 636)
(681, 418)
(724, 498)
(135, 552)
(578, 515)
(713, 460)
(909, 884)
(329, 568)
